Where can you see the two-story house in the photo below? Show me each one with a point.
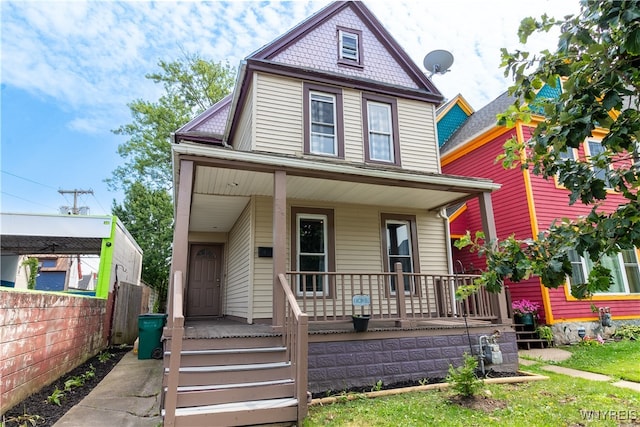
(311, 194)
(527, 204)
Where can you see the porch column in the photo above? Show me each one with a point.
(181, 228)
(498, 301)
(279, 244)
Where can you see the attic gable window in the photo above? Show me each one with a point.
(349, 47)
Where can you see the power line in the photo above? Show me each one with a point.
(27, 179)
(27, 200)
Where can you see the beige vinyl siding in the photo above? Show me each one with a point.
(278, 115)
(263, 267)
(357, 239)
(431, 243)
(418, 145)
(243, 138)
(353, 136)
(239, 267)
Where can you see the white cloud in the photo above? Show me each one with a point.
(94, 55)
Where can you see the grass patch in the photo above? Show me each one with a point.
(617, 359)
(561, 400)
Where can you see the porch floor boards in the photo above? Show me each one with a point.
(225, 328)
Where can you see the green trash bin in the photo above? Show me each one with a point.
(150, 335)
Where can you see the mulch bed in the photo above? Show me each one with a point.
(488, 374)
(35, 410)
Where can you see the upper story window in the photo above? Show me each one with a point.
(349, 47)
(380, 119)
(624, 267)
(595, 148)
(323, 121)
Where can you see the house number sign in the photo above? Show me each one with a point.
(361, 300)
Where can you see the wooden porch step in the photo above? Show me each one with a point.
(226, 343)
(228, 393)
(228, 356)
(239, 413)
(232, 374)
(533, 342)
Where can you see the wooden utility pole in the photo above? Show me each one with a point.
(75, 210)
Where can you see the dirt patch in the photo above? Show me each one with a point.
(36, 410)
(478, 403)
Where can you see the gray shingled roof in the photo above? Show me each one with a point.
(478, 121)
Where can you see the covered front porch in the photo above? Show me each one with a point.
(230, 193)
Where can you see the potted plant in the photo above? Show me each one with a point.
(525, 313)
(360, 322)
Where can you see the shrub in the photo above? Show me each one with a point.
(463, 379)
(628, 332)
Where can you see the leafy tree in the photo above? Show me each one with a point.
(598, 63)
(191, 85)
(148, 216)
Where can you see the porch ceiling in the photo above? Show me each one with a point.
(220, 194)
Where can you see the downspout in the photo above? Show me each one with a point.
(447, 234)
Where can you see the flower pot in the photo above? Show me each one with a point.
(360, 323)
(527, 320)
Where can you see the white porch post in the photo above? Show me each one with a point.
(498, 301)
(279, 243)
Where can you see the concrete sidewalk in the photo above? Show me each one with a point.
(558, 355)
(128, 396)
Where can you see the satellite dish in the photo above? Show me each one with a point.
(438, 61)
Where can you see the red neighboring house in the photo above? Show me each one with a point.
(525, 205)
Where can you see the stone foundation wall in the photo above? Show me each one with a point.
(340, 365)
(567, 332)
(44, 336)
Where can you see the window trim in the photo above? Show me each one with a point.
(330, 242)
(587, 147)
(307, 88)
(395, 135)
(415, 255)
(357, 63)
(621, 266)
(574, 156)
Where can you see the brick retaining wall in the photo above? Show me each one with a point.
(340, 365)
(42, 337)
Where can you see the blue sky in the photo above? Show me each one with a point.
(69, 68)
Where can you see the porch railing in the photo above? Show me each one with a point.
(329, 296)
(295, 337)
(175, 329)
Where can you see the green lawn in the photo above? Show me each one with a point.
(559, 401)
(617, 359)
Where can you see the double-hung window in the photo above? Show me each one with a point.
(596, 148)
(380, 130)
(624, 267)
(323, 121)
(312, 230)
